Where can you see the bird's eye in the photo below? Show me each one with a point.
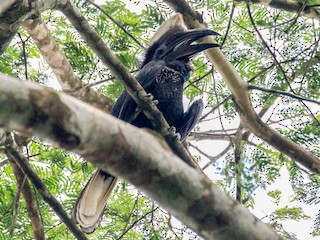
(159, 52)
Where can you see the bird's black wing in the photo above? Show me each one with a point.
(125, 107)
(190, 119)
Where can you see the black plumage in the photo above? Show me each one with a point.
(164, 71)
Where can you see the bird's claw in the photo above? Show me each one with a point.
(173, 132)
(148, 97)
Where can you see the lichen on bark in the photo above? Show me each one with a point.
(50, 112)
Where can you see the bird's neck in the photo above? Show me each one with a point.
(182, 67)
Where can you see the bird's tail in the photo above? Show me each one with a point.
(89, 207)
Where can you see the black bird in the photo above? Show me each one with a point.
(164, 71)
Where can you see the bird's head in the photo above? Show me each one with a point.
(178, 44)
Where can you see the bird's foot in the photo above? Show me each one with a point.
(173, 133)
(150, 98)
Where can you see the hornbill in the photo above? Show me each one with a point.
(165, 69)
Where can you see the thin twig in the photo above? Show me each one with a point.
(309, 62)
(239, 25)
(217, 157)
(253, 78)
(104, 80)
(221, 122)
(16, 204)
(171, 228)
(24, 56)
(118, 24)
(135, 222)
(296, 18)
(278, 64)
(238, 163)
(229, 23)
(4, 162)
(131, 212)
(159, 10)
(24, 165)
(268, 48)
(152, 214)
(198, 79)
(215, 108)
(279, 92)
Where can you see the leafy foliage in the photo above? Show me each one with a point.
(294, 44)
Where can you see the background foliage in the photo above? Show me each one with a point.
(288, 39)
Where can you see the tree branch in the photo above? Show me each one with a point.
(11, 18)
(130, 153)
(198, 136)
(229, 23)
(30, 201)
(212, 159)
(279, 65)
(4, 162)
(61, 66)
(134, 89)
(136, 221)
(118, 24)
(4, 6)
(279, 92)
(239, 90)
(14, 152)
(311, 11)
(238, 163)
(16, 203)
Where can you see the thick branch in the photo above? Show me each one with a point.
(290, 6)
(113, 63)
(239, 90)
(4, 6)
(11, 18)
(129, 153)
(61, 66)
(132, 86)
(9, 25)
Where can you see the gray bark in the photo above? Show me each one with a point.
(130, 153)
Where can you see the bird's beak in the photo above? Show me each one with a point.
(180, 45)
